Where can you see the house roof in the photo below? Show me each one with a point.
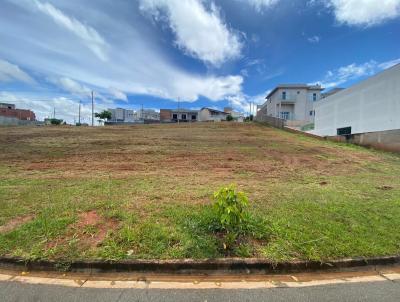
(215, 110)
(280, 86)
(181, 110)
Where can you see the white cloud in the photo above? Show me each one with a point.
(241, 102)
(354, 71)
(364, 12)
(117, 94)
(71, 86)
(261, 5)
(10, 72)
(200, 32)
(313, 39)
(87, 34)
(137, 63)
(388, 64)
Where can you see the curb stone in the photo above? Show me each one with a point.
(191, 266)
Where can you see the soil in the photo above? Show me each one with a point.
(15, 223)
(90, 229)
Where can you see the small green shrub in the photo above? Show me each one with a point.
(230, 207)
(229, 118)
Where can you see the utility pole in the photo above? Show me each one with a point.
(79, 114)
(92, 110)
(141, 115)
(54, 112)
(179, 99)
(250, 110)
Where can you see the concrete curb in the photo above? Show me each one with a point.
(191, 266)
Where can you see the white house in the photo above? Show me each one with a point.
(291, 102)
(369, 106)
(237, 116)
(209, 114)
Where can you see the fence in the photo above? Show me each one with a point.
(270, 120)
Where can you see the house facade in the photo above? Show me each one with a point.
(178, 115)
(370, 106)
(121, 115)
(10, 111)
(292, 102)
(237, 116)
(212, 115)
(147, 114)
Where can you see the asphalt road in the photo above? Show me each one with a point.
(375, 291)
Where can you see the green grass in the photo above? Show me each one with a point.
(152, 187)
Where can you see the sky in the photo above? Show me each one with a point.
(186, 53)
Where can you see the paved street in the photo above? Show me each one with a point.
(375, 291)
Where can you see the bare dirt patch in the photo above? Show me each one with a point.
(14, 223)
(90, 230)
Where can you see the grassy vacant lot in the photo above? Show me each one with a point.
(145, 192)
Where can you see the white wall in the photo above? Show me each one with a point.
(371, 105)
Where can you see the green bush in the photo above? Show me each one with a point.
(234, 225)
(230, 207)
(229, 118)
(55, 121)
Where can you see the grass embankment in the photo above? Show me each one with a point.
(145, 192)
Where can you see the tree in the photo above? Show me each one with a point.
(104, 115)
(55, 121)
(229, 118)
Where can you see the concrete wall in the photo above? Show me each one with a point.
(369, 106)
(385, 140)
(12, 121)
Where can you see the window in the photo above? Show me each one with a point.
(344, 131)
(298, 92)
(174, 116)
(193, 117)
(183, 116)
(314, 96)
(284, 95)
(285, 115)
(311, 113)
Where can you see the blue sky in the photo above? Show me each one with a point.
(202, 52)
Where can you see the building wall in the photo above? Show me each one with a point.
(165, 115)
(299, 103)
(21, 114)
(388, 140)
(13, 121)
(129, 116)
(206, 116)
(6, 105)
(370, 106)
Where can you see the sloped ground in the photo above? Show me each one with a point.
(145, 191)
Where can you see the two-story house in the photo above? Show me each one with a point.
(292, 102)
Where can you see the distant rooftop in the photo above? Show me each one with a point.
(214, 110)
(183, 110)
